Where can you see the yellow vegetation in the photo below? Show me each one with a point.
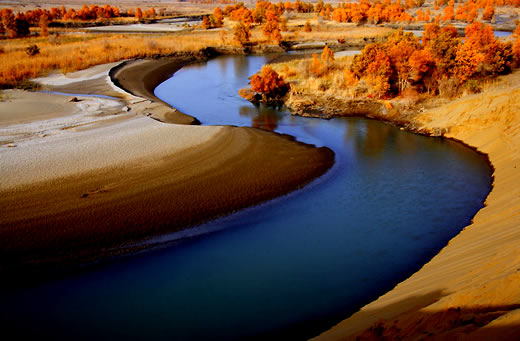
(75, 52)
(330, 81)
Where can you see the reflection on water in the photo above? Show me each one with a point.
(262, 116)
(289, 268)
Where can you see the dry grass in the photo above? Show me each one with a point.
(75, 52)
(331, 83)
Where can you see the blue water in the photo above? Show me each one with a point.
(498, 34)
(288, 268)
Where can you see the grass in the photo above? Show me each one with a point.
(74, 51)
(330, 83)
(79, 51)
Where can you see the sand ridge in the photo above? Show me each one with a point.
(470, 290)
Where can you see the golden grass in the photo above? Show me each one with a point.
(80, 51)
(75, 51)
(331, 83)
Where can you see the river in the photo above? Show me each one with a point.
(291, 267)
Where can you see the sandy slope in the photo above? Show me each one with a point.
(471, 289)
(73, 186)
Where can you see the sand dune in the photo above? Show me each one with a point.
(471, 289)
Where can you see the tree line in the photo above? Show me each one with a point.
(16, 26)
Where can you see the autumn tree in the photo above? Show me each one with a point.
(44, 26)
(488, 13)
(283, 24)
(307, 27)
(422, 66)
(272, 29)
(317, 67)
(241, 34)
(442, 44)
(420, 15)
(327, 57)
(373, 64)
(206, 24)
(22, 26)
(9, 22)
(399, 47)
(218, 16)
(467, 62)
(498, 56)
(259, 13)
(319, 6)
(449, 13)
(267, 86)
(138, 13)
(516, 52)
(517, 31)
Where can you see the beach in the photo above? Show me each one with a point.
(80, 188)
(470, 289)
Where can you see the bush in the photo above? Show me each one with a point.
(267, 87)
(448, 88)
(472, 86)
(32, 50)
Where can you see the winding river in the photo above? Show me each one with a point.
(293, 266)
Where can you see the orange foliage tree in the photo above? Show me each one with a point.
(327, 57)
(422, 66)
(9, 22)
(442, 44)
(307, 27)
(449, 13)
(138, 13)
(206, 24)
(241, 34)
(497, 56)
(488, 13)
(218, 16)
(373, 64)
(44, 26)
(267, 86)
(272, 27)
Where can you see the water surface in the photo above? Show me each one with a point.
(294, 266)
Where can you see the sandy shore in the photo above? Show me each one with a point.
(71, 192)
(471, 289)
(141, 77)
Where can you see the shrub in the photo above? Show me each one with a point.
(472, 86)
(241, 34)
(307, 27)
(267, 87)
(32, 50)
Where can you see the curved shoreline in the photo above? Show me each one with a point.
(367, 318)
(471, 287)
(95, 213)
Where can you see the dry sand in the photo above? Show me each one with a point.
(471, 289)
(70, 192)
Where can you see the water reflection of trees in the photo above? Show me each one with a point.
(371, 138)
(262, 116)
(241, 66)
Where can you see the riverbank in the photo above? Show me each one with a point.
(74, 193)
(470, 289)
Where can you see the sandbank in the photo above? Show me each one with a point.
(470, 290)
(73, 193)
